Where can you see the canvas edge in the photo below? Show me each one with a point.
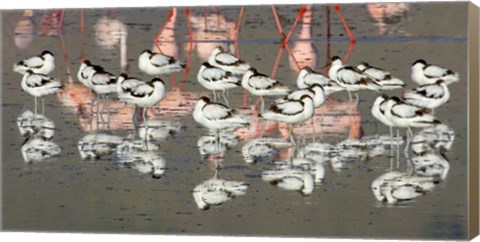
(473, 127)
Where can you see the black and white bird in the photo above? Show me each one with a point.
(39, 85)
(217, 116)
(42, 64)
(217, 79)
(351, 78)
(423, 73)
(259, 84)
(156, 64)
(307, 77)
(378, 111)
(215, 191)
(141, 94)
(291, 112)
(227, 61)
(383, 77)
(429, 96)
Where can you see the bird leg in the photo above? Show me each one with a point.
(349, 95)
(262, 107)
(290, 132)
(43, 106)
(225, 98)
(35, 105)
(214, 96)
(357, 99)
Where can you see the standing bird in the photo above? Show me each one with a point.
(262, 85)
(423, 73)
(378, 111)
(384, 78)
(156, 64)
(216, 116)
(216, 79)
(227, 61)
(307, 77)
(351, 78)
(42, 64)
(291, 112)
(428, 96)
(39, 85)
(141, 94)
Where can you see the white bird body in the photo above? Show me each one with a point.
(41, 64)
(216, 191)
(260, 84)
(141, 94)
(428, 96)
(407, 188)
(405, 115)
(227, 61)
(315, 91)
(351, 78)
(291, 111)
(292, 179)
(95, 146)
(307, 77)
(35, 125)
(216, 116)
(39, 85)
(103, 82)
(384, 78)
(378, 110)
(38, 149)
(216, 79)
(86, 71)
(423, 73)
(156, 64)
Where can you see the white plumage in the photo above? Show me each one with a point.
(431, 165)
(216, 79)
(307, 77)
(227, 61)
(392, 187)
(291, 111)
(384, 78)
(95, 146)
(35, 125)
(158, 129)
(38, 149)
(423, 73)
(42, 64)
(406, 115)
(146, 162)
(315, 91)
(437, 137)
(216, 116)
(292, 179)
(350, 77)
(428, 96)
(156, 64)
(39, 85)
(261, 148)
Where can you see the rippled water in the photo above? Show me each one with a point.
(67, 193)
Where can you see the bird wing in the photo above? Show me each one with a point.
(226, 59)
(142, 90)
(260, 82)
(216, 111)
(291, 107)
(378, 74)
(160, 60)
(36, 80)
(431, 71)
(214, 74)
(130, 84)
(430, 91)
(351, 75)
(405, 110)
(103, 78)
(318, 78)
(32, 62)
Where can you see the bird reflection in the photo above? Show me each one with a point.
(109, 31)
(210, 145)
(96, 146)
(24, 31)
(290, 178)
(389, 16)
(35, 125)
(432, 138)
(37, 149)
(158, 130)
(261, 149)
(141, 155)
(322, 153)
(50, 23)
(216, 191)
(431, 165)
(303, 51)
(393, 187)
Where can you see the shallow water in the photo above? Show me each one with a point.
(67, 193)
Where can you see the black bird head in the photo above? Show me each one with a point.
(46, 52)
(420, 61)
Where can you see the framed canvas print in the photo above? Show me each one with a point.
(321, 120)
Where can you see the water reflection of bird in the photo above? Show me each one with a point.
(216, 191)
(388, 16)
(109, 32)
(433, 164)
(435, 138)
(304, 53)
(42, 64)
(393, 187)
(209, 145)
(263, 148)
(292, 179)
(38, 149)
(24, 30)
(97, 145)
(158, 129)
(146, 162)
(423, 73)
(35, 125)
(50, 24)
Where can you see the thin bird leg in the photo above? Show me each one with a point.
(349, 95)
(225, 98)
(304, 133)
(433, 111)
(134, 117)
(407, 145)
(217, 139)
(98, 110)
(357, 99)
(145, 114)
(108, 112)
(290, 132)
(214, 96)
(43, 106)
(391, 137)
(313, 129)
(262, 107)
(35, 98)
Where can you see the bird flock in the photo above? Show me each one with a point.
(278, 102)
